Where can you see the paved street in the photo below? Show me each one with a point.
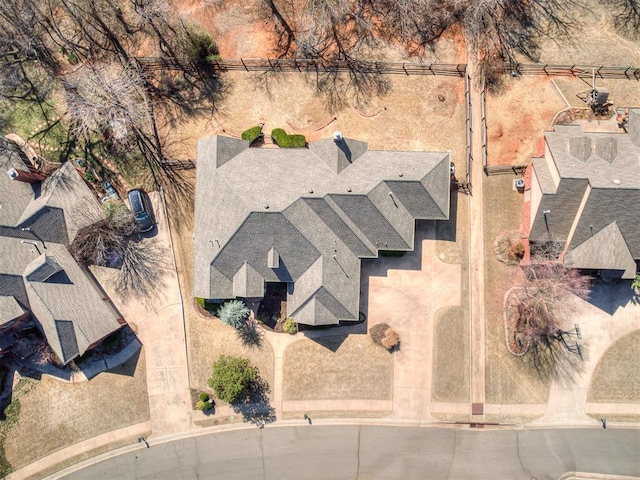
(376, 452)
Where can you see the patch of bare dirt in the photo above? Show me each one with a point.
(518, 116)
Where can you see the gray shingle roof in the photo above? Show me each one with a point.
(606, 249)
(599, 184)
(37, 270)
(74, 301)
(321, 209)
(15, 196)
(563, 207)
(10, 309)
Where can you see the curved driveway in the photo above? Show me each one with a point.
(377, 452)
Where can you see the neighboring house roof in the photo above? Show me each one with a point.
(307, 217)
(37, 272)
(10, 309)
(607, 249)
(588, 182)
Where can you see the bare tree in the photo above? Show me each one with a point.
(103, 97)
(500, 30)
(112, 240)
(102, 241)
(541, 309)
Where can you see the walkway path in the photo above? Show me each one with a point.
(476, 247)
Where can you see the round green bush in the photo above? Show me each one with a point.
(232, 378)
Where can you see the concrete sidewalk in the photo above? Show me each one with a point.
(476, 244)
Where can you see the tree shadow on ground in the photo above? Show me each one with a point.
(256, 408)
(249, 334)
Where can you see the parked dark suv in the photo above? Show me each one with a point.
(141, 208)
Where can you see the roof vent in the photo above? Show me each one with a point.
(616, 181)
(337, 136)
(311, 190)
(13, 173)
(400, 174)
(348, 189)
(266, 206)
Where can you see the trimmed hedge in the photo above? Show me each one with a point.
(252, 133)
(285, 140)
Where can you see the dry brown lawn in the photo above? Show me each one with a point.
(56, 414)
(209, 339)
(616, 379)
(508, 379)
(517, 117)
(336, 367)
(595, 41)
(450, 381)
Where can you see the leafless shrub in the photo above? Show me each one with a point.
(509, 248)
(113, 241)
(391, 339)
(102, 241)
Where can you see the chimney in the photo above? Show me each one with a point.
(25, 176)
(337, 136)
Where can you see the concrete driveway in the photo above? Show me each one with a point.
(405, 293)
(158, 320)
(610, 313)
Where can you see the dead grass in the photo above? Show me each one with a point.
(450, 382)
(313, 414)
(518, 116)
(336, 367)
(55, 414)
(594, 43)
(508, 379)
(616, 379)
(209, 339)
(615, 418)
